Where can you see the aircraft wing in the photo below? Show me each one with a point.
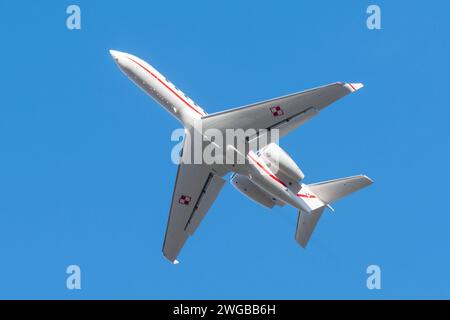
(284, 113)
(196, 188)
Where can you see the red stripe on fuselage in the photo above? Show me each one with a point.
(179, 97)
(301, 195)
(267, 171)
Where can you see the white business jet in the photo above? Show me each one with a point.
(267, 175)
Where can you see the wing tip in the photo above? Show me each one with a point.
(172, 260)
(370, 180)
(354, 86)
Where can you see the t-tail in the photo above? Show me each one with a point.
(320, 195)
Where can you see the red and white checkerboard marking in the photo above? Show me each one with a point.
(184, 200)
(306, 195)
(276, 111)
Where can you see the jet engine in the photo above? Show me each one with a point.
(251, 190)
(281, 164)
(273, 173)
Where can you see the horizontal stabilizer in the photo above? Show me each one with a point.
(330, 191)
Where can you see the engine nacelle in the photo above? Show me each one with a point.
(280, 162)
(251, 190)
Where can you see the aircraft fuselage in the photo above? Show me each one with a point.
(159, 88)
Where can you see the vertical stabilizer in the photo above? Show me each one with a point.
(319, 195)
(306, 224)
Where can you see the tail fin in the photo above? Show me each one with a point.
(306, 224)
(318, 196)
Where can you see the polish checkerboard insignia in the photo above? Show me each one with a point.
(276, 111)
(184, 200)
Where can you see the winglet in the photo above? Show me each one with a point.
(175, 262)
(354, 86)
(368, 178)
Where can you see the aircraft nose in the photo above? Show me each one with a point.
(115, 54)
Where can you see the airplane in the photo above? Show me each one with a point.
(268, 174)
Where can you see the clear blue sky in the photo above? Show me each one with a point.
(85, 170)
